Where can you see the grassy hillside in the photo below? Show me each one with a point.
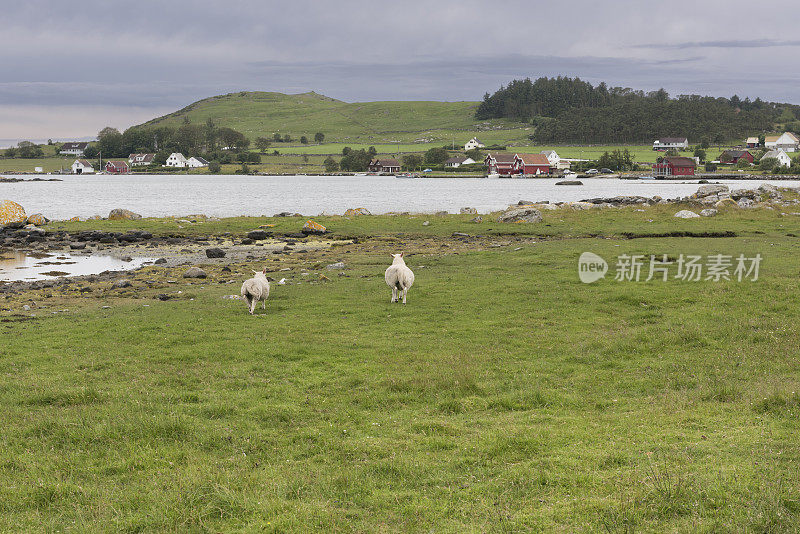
(263, 114)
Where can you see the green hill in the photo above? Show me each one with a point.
(263, 114)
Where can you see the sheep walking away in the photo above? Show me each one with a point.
(256, 289)
(399, 277)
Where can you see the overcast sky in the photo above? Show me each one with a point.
(70, 68)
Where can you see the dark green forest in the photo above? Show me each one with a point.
(570, 110)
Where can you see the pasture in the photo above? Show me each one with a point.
(505, 396)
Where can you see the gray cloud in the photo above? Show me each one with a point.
(66, 66)
(751, 43)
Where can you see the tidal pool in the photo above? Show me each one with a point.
(16, 266)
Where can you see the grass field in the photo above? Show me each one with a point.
(263, 114)
(506, 396)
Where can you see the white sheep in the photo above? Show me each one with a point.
(255, 289)
(399, 277)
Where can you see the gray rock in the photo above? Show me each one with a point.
(338, 265)
(257, 235)
(195, 272)
(215, 253)
(525, 215)
(738, 194)
(746, 203)
(686, 214)
(426, 223)
(710, 212)
(441, 213)
(121, 214)
(120, 284)
(477, 219)
(711, 189)
(468, 211)
(77, 246)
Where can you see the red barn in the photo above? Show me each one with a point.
(117, 166)
(733, 156)
(502, 164)
(674, 166)
(531, 164)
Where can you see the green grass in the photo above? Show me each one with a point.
(506, 396)
(263, 114)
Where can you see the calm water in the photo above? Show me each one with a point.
(18, 266)
(224, 196)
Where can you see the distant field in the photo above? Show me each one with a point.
(50, 164)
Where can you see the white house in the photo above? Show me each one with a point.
(473, 143)
(176, 159)
(73, 149)
(552, 157)
(786, 141)
(136, 160)
(667, 143)
(458, 161)
(782, 157)
(81, 166)
(196, 161)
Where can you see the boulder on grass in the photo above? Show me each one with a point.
(352, 212)
(37, 219)
(726, 203)
(215, 253)
(195, 272)
(711, 189)
(710, 212)
(313, 227)
(520, 215)
(468, 211)
(120, 214)
(686, 214)
(11, 213)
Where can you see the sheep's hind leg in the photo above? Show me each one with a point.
(404, 295)
(394, 294)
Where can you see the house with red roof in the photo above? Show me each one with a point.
(674, 166)
(531, 164)
(502, 164)
(117, 166)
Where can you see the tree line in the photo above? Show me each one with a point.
(570, 110)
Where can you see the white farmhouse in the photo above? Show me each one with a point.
(81, 166)
(195, 162)
(473, 143)
(176, 159)
(667, 143)
(556, 161)
(779, 154)
(458, 161)
(787, 141)
(73, 148)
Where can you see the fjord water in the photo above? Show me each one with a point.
(227, 196)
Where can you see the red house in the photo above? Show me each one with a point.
(674, 166)
(502, 164)
(733, 156)
(531, 164)
(117, 166)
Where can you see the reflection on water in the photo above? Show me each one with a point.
(19, 266)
